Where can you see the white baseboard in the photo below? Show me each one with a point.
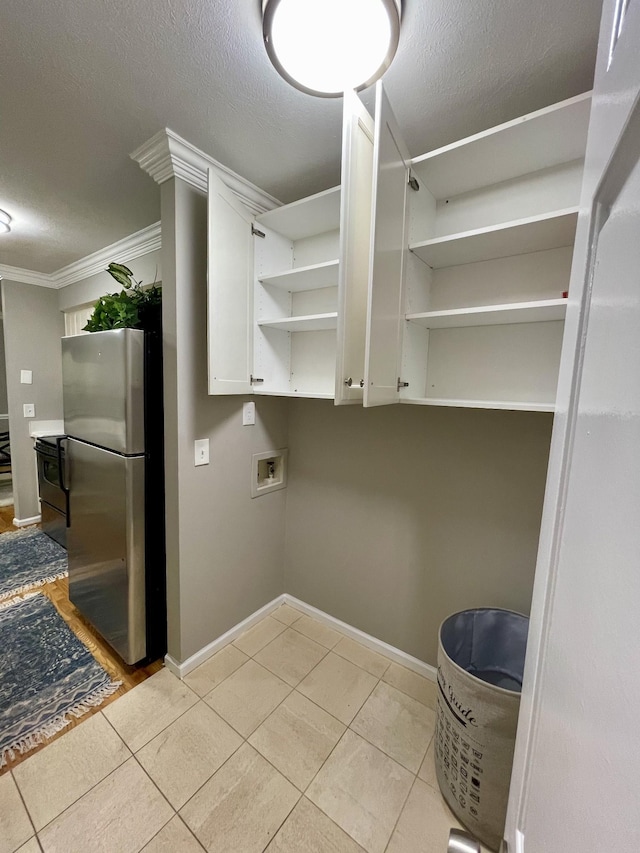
(184, 668)
(382, 648)
(24, 522)
(373, 643)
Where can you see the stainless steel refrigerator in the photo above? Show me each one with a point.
(114, 477)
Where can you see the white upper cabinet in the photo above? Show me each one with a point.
(388, 257)
(438, 280)
(230, 290)
(289, 319)
(489, 224)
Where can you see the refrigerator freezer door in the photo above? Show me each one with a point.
(105, 544)
(103, 389)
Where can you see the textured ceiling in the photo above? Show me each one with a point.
(85, 82)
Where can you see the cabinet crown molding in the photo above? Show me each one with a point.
(167, 155)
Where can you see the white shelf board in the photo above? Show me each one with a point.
(305, 323)
(539, 311)
(517, 406)
(294, 394)
(305, 278)
(306, 217)
(518, 237)
(540, 140)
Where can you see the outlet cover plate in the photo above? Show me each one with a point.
(29, 410)
(248, 414)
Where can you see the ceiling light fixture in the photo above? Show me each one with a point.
(5, 222)
(326, 47)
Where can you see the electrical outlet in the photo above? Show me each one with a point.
(248, 414)
(201, 451)
(29, 410)
(26, 377)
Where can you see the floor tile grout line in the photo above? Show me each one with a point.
(402, 808)
(24, 804)
(162, 828)
(317, 805)
(226, 761)
(415, 777)
(88, 791)
(164, 728)
(77, 799)
(377, 746)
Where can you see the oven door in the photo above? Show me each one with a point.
(49, 485)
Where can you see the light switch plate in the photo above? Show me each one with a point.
(248, 414)
(201, 451)
(26, 377)
(29, 410)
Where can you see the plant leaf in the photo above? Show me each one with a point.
(119, 268)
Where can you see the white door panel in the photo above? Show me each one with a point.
(230, 289)
(388, 249)
(355, 235)
(575, 779)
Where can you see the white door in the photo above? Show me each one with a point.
(230, 289)
(576, 777)
(388, 251)
(355, 235)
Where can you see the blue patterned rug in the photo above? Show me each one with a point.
(47, 675)
(29, 558)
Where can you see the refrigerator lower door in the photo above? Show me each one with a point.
(105, 543)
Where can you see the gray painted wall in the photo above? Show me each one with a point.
(4, 403)
(33, 326)
(146, 268)
(401, 515)
(225, 550)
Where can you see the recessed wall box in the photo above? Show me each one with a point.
(268, 471)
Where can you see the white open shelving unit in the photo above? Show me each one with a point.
(296, 297)
(491, 231)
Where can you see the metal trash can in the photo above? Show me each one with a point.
(480, 667)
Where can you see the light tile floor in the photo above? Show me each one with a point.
(294, 739)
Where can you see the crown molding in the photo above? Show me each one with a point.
(167, 155)
(41, 279)
(128, 249)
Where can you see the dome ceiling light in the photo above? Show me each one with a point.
(5, 222)
(326, 47)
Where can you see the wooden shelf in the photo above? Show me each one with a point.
(517, 406)
(540, 140)
(306, 323)
(307, 217)
(519, 237)
(305, 278)
(540, 311)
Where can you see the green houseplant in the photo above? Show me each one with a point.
(128, 309)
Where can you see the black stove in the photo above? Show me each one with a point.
(54, 497)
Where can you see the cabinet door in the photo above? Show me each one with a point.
(230, 289)
(355, 236)
(388, 252)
